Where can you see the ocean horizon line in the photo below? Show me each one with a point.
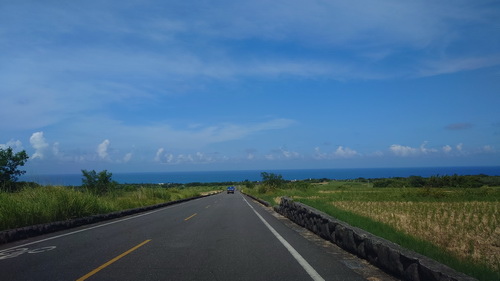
(184, 177)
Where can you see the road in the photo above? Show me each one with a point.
(220, 237)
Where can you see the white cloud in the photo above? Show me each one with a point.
(340, 152)
(102, 149)
(447, 149)
(282, 153)
(345, 152)
(55, 149)
(169, 158)
(250, 152)
(38, 142)
(289, 154)
(426, 150)
(403, 151)
(158, 155)
(318, 154)
(196, 158)
(14, 144)
(488, 149)
(127, 157)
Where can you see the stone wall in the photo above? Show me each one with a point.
(384, 254)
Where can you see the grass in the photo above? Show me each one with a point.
(457, 227)
(55, 203)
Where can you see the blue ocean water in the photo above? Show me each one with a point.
(254, 175)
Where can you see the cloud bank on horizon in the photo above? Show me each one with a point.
(172, 85)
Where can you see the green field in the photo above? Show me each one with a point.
(459, 227)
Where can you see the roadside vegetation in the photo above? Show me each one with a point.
(42, 204)
(458, 225)
(24, 204)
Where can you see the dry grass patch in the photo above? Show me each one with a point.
(305, 197)
(470, 230)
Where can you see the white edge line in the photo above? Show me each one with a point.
(89, 228)
(307, 267)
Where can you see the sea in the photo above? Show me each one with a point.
(255, 175)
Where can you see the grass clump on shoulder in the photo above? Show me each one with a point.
(452, 219)
(273, 186)
(34, 204)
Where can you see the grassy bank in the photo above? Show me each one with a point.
(54, 203)
(458, 227)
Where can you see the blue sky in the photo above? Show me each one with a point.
(136, 86)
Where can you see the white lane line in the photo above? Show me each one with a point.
(307, 267)
(89, 228)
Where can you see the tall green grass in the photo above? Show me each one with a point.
(55, 203)
(39, 205)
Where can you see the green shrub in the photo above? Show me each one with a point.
(249, 184)
(98, 183)
(9, 161)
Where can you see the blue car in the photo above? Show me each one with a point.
(230, 189)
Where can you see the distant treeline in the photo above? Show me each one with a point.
(439, 181)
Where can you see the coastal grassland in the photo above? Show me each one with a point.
(459, 227)
(55, 203)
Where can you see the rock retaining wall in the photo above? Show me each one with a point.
(384, 254)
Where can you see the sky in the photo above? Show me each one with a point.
(151, 86)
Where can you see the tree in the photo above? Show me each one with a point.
(272, 181)
(9, 163)
(98, 183)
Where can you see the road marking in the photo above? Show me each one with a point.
(19, 251)
(90, 228)
(111, 261)
(208, 206)
(191, 216)
(307, 267)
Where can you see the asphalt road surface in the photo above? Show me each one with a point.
(220, 237)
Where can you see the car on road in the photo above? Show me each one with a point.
(230, 189)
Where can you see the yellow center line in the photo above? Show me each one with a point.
(190, 216)
(111, 261)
